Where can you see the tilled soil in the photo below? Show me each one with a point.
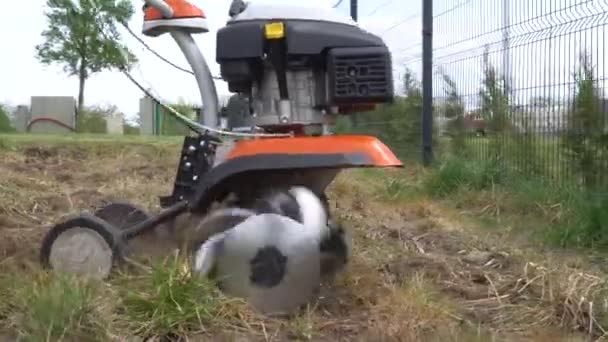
(417, 272)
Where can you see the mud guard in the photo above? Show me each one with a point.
(308, 161)
(361, 150)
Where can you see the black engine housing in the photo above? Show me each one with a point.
(356, 65)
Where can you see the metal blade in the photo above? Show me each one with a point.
(215, 223)
(270, 260)
(206, 256)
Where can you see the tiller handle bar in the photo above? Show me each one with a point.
(200, 68)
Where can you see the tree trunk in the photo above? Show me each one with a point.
(82, 77)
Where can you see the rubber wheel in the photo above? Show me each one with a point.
(83, 245)
(122, 214)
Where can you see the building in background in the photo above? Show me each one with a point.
(234, 114)
(147, 109)
(52, 114)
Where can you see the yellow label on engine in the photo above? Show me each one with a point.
(274, 30)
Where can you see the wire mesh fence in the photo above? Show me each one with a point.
(521, 83)
(519, 110)
(518, 83)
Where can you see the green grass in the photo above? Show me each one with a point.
(536, 155)
(86, 138)
(76, 146)
(169, 302)
(527, 187)
(52, 308)
(564, 216)
(164, 302)
(388, 186)
(532, 207)
(457, 173)
(585, 223)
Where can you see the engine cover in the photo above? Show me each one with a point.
(359, 75)
(329, 64)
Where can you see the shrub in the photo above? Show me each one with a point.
(5, 122)
(456, 173)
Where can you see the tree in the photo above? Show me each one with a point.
(83, 37)
(453, 110)
(586, 141)
(5, 122)
(411, 86)
(94, 119)
(494, 97)
(170, 125)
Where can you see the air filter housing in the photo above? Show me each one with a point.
(359, 75)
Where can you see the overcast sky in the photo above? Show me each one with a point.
(398, 22)
(546, 37)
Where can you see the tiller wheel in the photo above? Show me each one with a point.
(85, 245)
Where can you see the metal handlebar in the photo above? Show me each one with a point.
(200, 68)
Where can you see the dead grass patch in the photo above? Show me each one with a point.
(419, 271)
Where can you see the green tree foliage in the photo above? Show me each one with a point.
(82, 37)
(132, 126)
(453, 110)
(5, 122)
(586, 141)
(93, 119)
(131, 129)
(494, 98)
(170, 125)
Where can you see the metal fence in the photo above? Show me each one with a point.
(521, 82)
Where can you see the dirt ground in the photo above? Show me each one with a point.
(419, 271)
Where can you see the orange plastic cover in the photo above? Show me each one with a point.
(373, 148)
(181, 9)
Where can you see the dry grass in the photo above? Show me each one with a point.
(419, 272)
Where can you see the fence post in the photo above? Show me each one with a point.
(354, 10)
(427, 82)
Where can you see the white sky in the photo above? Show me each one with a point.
(21, 76)
(546, 37)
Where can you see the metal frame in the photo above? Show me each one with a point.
(203, 76)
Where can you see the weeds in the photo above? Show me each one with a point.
(169, 301)
(393, 189)
(5, 304)
(5, 144)
(53, 308)
(585, 223)
(5, 122)
(568, 216)
(456, 174)
(456, 302)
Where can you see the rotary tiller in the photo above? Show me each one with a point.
(299, 67)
